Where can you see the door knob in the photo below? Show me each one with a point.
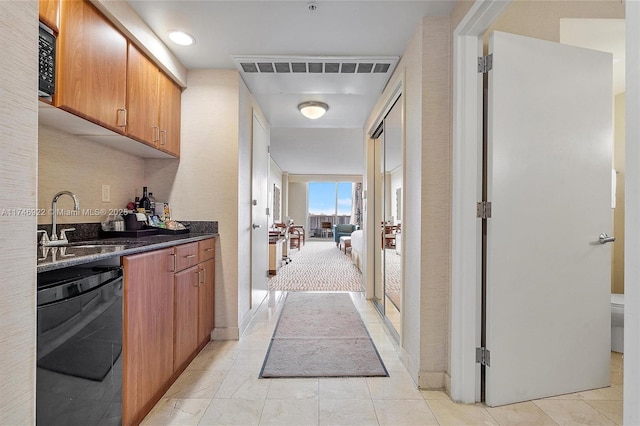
(256, 226)
(604, 238)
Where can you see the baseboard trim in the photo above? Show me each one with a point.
(225, 333)
(431, 380)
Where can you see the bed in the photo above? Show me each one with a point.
(357, 248)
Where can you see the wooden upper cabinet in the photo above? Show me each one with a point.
(49, 13)
(153, 104)
(169, 115)
(91, 66)
(142, 98)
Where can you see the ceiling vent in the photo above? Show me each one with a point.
(335, 65)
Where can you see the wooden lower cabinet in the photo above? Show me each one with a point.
(206, 299)
(148, 331)
(186, 304)
(168, 317)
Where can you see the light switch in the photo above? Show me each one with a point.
(106, 193)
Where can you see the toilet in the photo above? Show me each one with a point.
(617, 322)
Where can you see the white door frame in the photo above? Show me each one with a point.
(466, 247)
(632, 213)
(466, 238)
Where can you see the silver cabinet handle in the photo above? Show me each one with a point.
(256, 226)
(124, 111)
(156, 133)
(163, 140)
(604, 238)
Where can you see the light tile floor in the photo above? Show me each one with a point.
(221, 387)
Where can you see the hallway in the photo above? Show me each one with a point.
(221, 386)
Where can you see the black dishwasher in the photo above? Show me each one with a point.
(79, 345)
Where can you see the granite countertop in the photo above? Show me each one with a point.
(50, 258)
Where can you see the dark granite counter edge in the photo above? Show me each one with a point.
(141, 245)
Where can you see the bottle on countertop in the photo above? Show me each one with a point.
(145, 203)
(152, 203)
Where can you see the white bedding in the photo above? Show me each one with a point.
(357, 249)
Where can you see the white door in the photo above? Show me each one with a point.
(259, 213)
(549, 181)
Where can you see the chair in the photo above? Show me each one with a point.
(295, 235)
(302, 233)
(342, 230)
(389, 235)
(326, 229)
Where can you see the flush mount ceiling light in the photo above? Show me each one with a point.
(313, 109)
(181, 38)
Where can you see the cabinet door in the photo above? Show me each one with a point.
(48, 12)
(142, 98)
(186, 315)
(148, 331)
(206, 300)
(170, 104)
(91, 66)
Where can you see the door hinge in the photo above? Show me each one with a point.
(485, 64)
(483, 209)
(483, 356)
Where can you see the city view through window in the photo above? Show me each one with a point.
(329, 202)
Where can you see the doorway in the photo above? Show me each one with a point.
(466, 235)
(259, 213)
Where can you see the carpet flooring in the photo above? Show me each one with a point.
(321, 335)
(317, 266)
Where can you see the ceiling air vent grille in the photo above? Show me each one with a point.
(316, 67)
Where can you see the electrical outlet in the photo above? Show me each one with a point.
(106, 193)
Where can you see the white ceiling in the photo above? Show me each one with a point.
(340, 30)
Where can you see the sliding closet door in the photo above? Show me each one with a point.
(388, 259)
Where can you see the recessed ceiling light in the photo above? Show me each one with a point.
(181, 38)
(313, 109)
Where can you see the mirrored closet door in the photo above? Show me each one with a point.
(389, 211)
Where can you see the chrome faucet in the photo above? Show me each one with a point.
(54, 240)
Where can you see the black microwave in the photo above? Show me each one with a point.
(46, 62)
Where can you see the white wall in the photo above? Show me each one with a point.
(244, 187)
(275, 178)
(204, 184)
(212, 181)
(247, 108)
(425, 72)
(298, 202)
(395, 183)
(72, 163)
(18, 167)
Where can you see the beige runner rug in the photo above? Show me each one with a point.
(318, 266)
(321, 335)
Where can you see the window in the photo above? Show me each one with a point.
(329, 202)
